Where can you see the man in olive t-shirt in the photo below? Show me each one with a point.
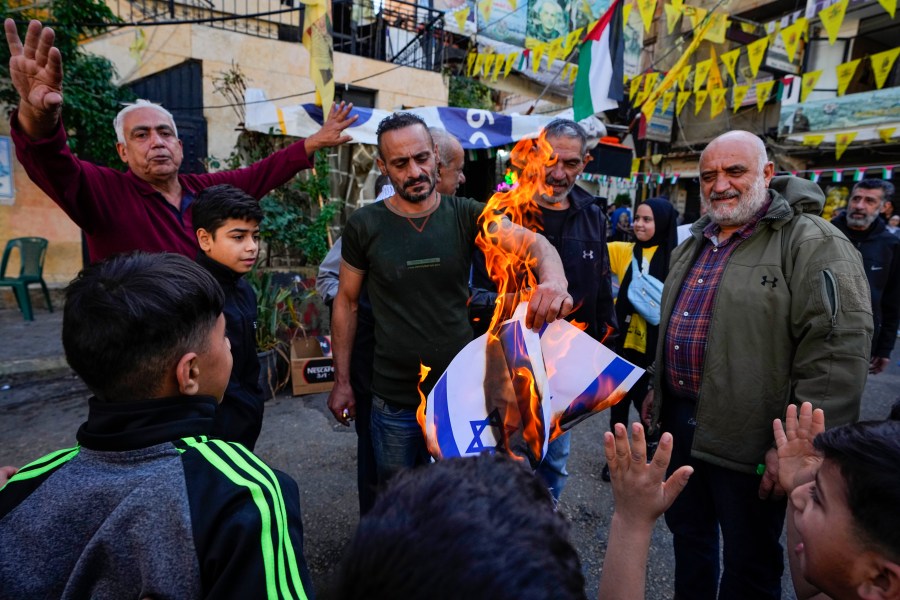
(415, 250)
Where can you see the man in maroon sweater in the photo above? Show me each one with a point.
(148, 207)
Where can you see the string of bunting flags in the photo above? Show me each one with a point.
(815, 175)
(654, 89)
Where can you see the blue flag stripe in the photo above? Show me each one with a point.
(442, 425)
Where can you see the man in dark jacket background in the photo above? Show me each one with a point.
(881, 258)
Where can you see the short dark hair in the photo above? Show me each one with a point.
(400, 120)
(886, 187)
(868, 456)
(128, 320)
(474, 527)
(218, 203)
(567, 128)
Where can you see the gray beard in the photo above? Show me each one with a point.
(749, 205)
(861, 223)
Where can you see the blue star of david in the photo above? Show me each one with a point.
(478, 427)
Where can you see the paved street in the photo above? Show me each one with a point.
(300, 437)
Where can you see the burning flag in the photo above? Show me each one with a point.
(514, 390)
(563, 375)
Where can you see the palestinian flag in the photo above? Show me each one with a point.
(599, 85)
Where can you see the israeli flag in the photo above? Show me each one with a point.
(482, 401)
(474, 128)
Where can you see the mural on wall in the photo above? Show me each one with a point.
(852, 111)
(547, 21)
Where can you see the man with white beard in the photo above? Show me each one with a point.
(881, 258)
(765, 305)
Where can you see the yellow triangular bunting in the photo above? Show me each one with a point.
(672, 16)
(755, 52)
(681, 100)
(832, 19)
(470, 64)
(810, 80)
(461, 17)
(729, 59)
(667, 101)
(763, 91)
(813, 139)
(537, 52)
(886, 134)
(626, 13)
(695, 14)
(649, 108)
(841, 141)
(717, 101)
(715, 75)
(699, 100)
(882, 64)
(634, 86)
(740, 92)
(889, 5)
(646, 8)
(791, 36)
(683, 75)
(845, 72)
(484, 7)
(510, 60)
(716, 32)
(479, 64)
(700, 73)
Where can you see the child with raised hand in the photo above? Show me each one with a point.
(843, 523)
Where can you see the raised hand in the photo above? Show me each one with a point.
(640, 489)
(332, 132)
(35, 68)
(798, 460)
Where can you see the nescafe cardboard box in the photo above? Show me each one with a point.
(312, 368)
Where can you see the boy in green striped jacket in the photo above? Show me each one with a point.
(147, 505)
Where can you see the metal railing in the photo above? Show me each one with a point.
(400, 32)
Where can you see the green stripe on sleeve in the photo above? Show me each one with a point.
(265, 474)
(255, 482)
(44, 464)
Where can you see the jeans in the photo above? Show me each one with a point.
(397, 439)
(553, 468)
(715, 499)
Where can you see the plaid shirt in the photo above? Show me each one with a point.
(688, 326)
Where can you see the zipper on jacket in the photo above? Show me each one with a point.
(831, 298)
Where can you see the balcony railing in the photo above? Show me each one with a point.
(402, 33)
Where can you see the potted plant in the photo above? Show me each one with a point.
(276, 321)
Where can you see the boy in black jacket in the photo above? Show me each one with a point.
(226, 221)
(146, 505)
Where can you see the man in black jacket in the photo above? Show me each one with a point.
(576, 226)
(881, 258)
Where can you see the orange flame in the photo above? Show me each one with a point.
(433, 448)
(513, 272)
(511, 389)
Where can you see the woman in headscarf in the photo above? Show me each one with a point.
(655, 231)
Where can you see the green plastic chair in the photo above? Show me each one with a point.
(32, 251)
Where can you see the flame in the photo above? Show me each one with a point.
(430, 440)
(510, 388)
